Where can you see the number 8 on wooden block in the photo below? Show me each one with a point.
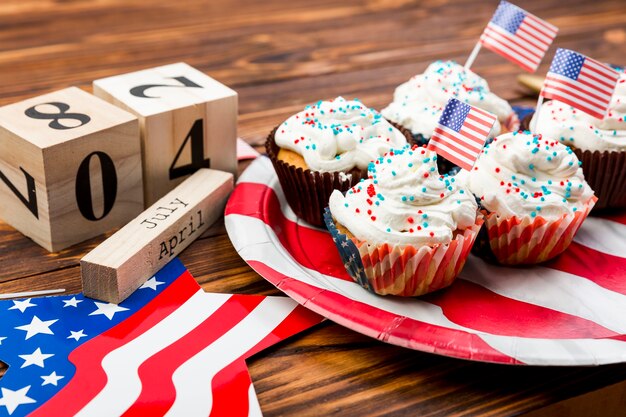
(70, 167)
(188, 121)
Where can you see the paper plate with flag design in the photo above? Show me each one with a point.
(569, 311)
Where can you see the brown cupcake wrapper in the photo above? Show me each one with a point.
(307, 191)
(604, 171)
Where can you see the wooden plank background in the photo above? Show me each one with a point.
(280, 55)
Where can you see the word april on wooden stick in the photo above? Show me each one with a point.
(516, 35)
(123, 262)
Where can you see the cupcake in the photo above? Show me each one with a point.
(599, 143)
(405, 230)
(325, 147)
(418, 103)
(534, 197)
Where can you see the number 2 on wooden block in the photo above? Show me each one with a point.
(140, 90)
(196, 136)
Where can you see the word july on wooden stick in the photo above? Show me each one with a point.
(123, 262)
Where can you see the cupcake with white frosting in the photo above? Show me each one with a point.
(328, 146)
(418, 103)
(599, 143)
(534, 196)
(405, 230)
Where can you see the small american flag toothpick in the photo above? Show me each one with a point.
(517, 36)
(461, 133)
(581, 82)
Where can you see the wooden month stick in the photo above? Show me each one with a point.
(123, 262)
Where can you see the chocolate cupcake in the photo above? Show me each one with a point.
(600, 144)
(534, 197)
(325, 147)
(418, 103)
(406, 230)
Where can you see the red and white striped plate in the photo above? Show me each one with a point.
(570, 311)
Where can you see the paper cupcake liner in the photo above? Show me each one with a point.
(307, 192)
(410, 271)
(605, 172)
(531, 240)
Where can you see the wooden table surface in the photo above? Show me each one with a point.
(280, 55)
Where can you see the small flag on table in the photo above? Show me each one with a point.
(461, 133)
(518, 36)
(581, 82)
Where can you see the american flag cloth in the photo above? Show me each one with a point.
(518, 36)
(581, 82)
(169, 349)
(461, 133)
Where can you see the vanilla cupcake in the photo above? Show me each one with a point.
(405, 230)
(533, 194)
(418, 103)
(599, 143)
(325, 147)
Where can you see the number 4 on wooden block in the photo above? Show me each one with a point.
(70, 167)
(188, 121)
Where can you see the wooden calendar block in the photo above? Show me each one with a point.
(188, 121)
(123, 262)
(70, 167)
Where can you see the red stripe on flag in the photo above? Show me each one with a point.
(602, 81)
(450, 157)
(470, 143)
(158, 392)
(483, 113)
(513, 41)
(457, 144)
(601, 69)
(486, 311)
(90, 378)
(573, 91)
(505, 54)
(486, 123)
(297, 321)
(538, 26)
(231, 383)
(368, 320)
(572, 103)
(527, 35)
(311, 248)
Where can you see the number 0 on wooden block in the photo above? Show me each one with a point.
(188, 121)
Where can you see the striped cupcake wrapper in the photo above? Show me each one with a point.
(531, 240)
(410, 271)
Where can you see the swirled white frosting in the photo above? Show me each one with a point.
(580, 130)
(405, 202)
(418, 103)
(520, 174)
(338, 135)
